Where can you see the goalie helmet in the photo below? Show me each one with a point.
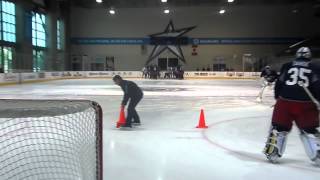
(303, 52)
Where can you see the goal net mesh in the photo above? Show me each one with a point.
(50, 139)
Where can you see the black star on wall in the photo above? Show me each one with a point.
(169, 39)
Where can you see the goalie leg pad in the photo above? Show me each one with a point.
(275, 145)
(259, 97)
(311, 144)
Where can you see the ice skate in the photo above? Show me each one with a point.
(136, 124)
(271, 153)
(126, 127)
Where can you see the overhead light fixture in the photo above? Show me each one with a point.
(164, 1)
(166, 11)
(222, 11)
(112, 11)
(230, 1)
(99, 1)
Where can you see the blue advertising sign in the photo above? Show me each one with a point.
(193, 41)
(110, 41)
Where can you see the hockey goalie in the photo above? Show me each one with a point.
(294, 104)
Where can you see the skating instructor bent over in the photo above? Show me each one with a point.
(134, 93)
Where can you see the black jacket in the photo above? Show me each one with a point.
(269, 75)
(291, 73)
(131, 90)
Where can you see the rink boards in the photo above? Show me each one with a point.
(17, 78)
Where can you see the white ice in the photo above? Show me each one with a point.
(168, 146)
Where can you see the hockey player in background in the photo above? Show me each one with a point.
(268, 77)
(294, 104)
(135, 94)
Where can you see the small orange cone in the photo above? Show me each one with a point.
(202, 122)
(122, 118)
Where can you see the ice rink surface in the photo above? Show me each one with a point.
(168, 146)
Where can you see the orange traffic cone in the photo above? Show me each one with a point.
(202, 122)
(122, 118)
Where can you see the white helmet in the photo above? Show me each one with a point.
(303, 52)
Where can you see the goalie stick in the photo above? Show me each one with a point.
(314, 100)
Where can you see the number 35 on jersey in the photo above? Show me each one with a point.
(298, 76)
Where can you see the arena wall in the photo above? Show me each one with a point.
(245, 22)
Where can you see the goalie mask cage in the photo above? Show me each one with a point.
(50, 139)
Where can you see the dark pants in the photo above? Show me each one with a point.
(132, 113)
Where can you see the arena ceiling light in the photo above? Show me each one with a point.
(166, 11)
(295, 11)
(112, 11)
(222, 11)
(99, 1)
(164, 1)
(230, 1)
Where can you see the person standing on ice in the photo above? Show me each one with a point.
(135, 94)
(294, 104)
(268, 77)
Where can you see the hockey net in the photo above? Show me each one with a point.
(50, 139)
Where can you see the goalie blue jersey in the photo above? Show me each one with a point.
(295, 73)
